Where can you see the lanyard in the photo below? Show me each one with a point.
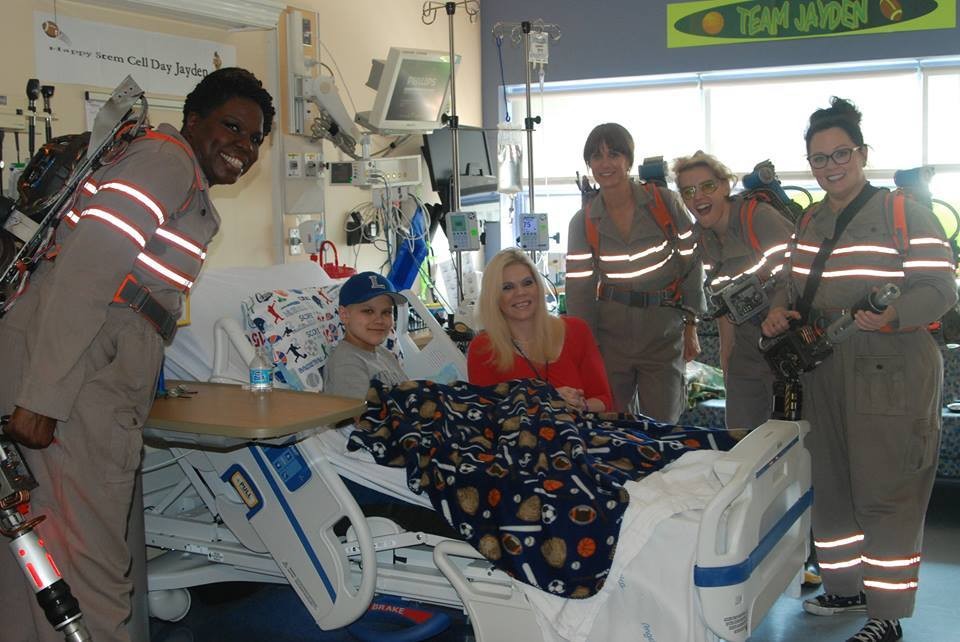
(546, 365)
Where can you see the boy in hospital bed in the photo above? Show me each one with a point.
(367, 304)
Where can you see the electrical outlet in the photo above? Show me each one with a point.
(294, 165)
(311, 164)
(294, 242)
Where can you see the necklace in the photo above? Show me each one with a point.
(546, 365)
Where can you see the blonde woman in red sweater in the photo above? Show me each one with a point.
(521, 340)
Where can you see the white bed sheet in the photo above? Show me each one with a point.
(652, 566)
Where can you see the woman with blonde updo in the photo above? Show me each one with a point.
(737, 237)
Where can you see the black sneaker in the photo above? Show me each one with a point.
(829, 604)
(878, 631)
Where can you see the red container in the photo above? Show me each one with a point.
(334, 270)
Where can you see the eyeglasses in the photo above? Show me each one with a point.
(840, 157)
(706, 187)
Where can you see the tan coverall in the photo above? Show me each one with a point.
(746, 376)
(874, 404)
(641, 343)
(71, 355)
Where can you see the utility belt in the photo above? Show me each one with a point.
(821, 319)
(632, 298)
(139, 298)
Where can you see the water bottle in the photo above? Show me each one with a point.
(261, 371)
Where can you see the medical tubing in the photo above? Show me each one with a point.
(503, 80)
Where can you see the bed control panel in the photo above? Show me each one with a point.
(289, 464)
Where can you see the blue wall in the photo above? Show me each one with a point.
(611, 38)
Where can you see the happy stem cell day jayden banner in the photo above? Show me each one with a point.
(715, 22)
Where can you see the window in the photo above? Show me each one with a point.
(909, 110)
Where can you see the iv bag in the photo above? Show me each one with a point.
(509, 159)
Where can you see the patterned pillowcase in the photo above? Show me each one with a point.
(301, 327)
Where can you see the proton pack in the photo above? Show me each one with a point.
(915, 184)
(47, 186)
(747, 296)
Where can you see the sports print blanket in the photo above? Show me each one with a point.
(534, 486)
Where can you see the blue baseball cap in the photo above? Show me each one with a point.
(366, 285)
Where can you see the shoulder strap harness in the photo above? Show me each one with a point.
(661, 214)
(137, 296)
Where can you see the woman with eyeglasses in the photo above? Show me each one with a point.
(737, 238)
(874, 404)
(633, 277)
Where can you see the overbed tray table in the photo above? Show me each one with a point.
(237, 495)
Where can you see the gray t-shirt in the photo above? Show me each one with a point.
(350, 369)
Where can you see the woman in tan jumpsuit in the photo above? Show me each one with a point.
(638, 286)
(736, 237)
(874, 404)
(81, 361)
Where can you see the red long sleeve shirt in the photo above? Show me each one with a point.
(578, 366)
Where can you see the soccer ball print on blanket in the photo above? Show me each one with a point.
(536, 487)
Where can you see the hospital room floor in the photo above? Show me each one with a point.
(272, 613)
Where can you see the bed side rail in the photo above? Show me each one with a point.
(497, 612)
(439, 360)
(229, 340)
(754, 533)
(333, 505)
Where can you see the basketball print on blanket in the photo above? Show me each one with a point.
(534, 486)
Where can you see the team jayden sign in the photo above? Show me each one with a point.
(713, 22)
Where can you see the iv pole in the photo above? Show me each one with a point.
(429, 16)
(515, 30)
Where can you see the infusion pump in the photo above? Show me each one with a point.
(463, 231)
(534, 232)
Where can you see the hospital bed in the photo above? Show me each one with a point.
(230, 505)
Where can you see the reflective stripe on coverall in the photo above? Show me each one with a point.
(874, 405)
(752, 244)
(642, 347)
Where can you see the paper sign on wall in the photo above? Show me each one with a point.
(69, 50)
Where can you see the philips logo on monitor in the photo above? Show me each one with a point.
(422, 82)
(412, 86)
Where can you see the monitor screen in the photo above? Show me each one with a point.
(412, 87)
(474, 154)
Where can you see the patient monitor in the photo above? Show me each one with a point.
(411, 87)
